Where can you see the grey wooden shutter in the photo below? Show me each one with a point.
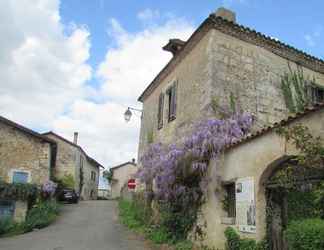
(160, 111)
(173, 101)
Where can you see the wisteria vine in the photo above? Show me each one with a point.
(175, 169)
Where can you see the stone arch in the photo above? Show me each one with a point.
(274, 230)
(272, 168)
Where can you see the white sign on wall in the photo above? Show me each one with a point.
(245, 205)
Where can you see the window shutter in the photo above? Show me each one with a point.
(160, 111)
(173, 101)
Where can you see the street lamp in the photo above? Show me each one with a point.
(128, 113)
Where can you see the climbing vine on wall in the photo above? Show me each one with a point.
(180, 170)
(310, 147)
(295, 89)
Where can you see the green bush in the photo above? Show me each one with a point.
(305, 234)
(233, 239)
(67, 181)
(6, 225)
(158, 235)
(177, 219)
(184, 245)
(41, 215)
(18, 191)
(137, 216)
(234, 242)
(9, 227)
(130, 215)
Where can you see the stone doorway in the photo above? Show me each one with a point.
(286, 180)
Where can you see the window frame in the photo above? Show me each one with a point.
(12, 172)
(315, 90)
(230, 191)
(171, 93)
(161, 111)
(93, 175)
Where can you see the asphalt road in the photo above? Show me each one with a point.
(89, 225)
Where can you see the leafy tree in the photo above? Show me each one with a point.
(108, 174)
(68, 181)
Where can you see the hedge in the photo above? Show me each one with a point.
(305, 234)
(234, 242)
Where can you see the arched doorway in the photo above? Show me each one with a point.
(285, 181)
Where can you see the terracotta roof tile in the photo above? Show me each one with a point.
(284, 122)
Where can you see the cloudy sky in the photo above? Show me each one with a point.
(75, 65)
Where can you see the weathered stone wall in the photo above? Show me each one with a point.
(216, 67)
(21, 151)
(249, 159)
(90, 186)
(193, 76)
(66, 160)
(252, 74)
(20, 213)
(121, 176)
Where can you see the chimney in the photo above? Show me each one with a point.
(226, 14)
(75, 139)
(174, 46)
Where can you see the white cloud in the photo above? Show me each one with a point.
(229, 3)
(314, 37)
(44, 75)
(148, 14)
(41, 70)
(128, 68)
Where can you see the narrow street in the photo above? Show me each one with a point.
(89, 225)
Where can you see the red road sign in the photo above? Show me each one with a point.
(131, 184)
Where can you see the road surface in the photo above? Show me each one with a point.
(89, 225)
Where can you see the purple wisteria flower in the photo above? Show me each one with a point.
(49, 187)
(165, 164)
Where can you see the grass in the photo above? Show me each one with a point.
(136, 218)
(41, 215)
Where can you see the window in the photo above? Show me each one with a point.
(230, 200)
(93, 175)
(172, 102)
(160, 111)
(317, 94)
(20, 177)
(81, 161)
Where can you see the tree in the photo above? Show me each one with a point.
(108, 174)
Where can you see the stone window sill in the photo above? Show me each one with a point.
(228, 220)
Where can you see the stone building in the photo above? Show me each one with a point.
(72, 160)
(121, 175)
(25, 157)
(223, 60)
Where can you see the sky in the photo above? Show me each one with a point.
(76, 65)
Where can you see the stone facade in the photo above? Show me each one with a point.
(214, 65)
(21, 208)
(121, 175)
(219, 60)
(252, 159)
(70, 160)
(25, 152)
